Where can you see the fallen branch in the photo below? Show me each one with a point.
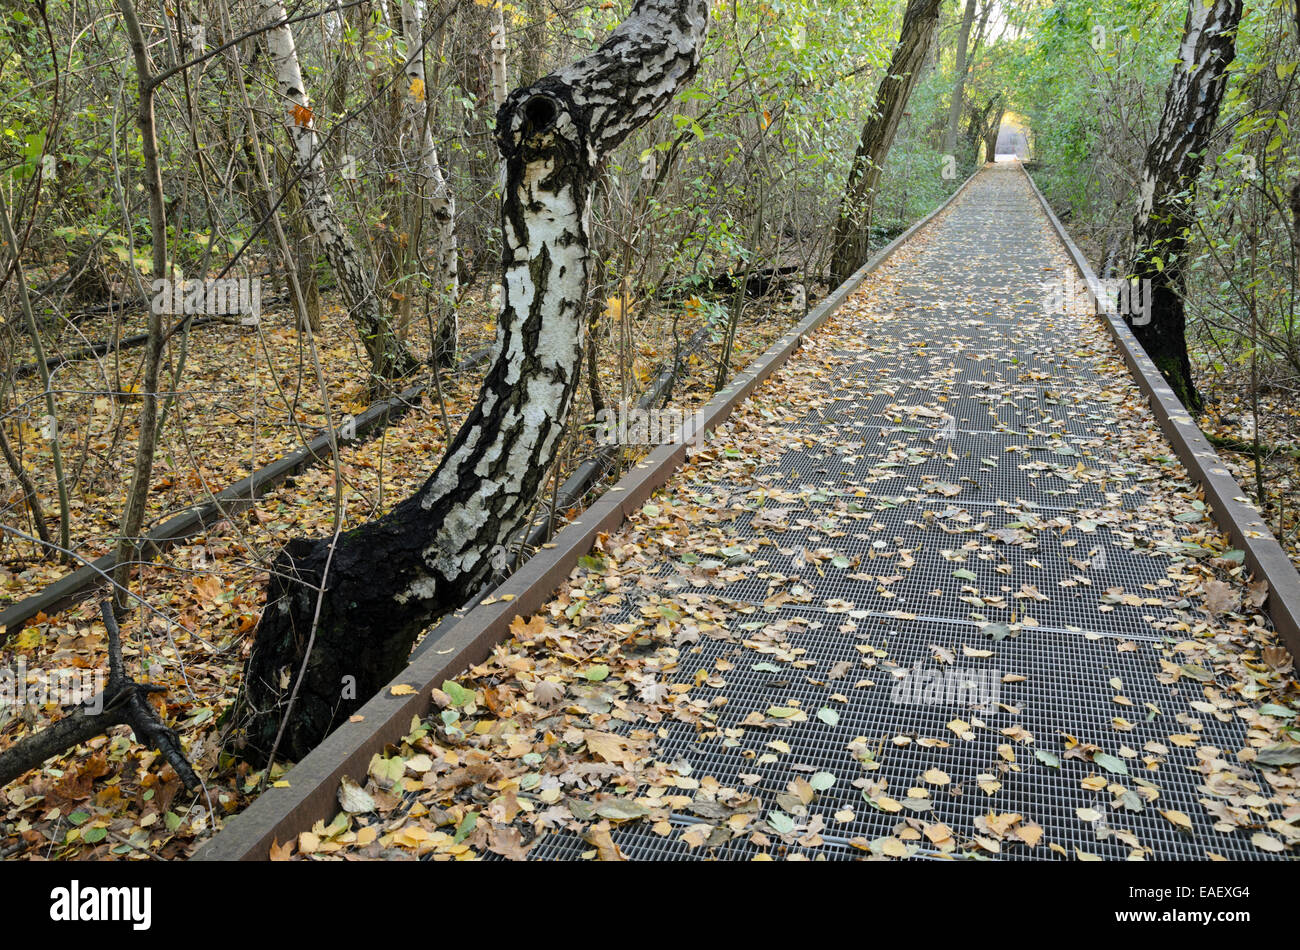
(122, 702)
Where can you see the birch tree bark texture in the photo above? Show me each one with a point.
(389, 358)
(435, 189)
(338, 623)
(1173, 163)
(851, 244)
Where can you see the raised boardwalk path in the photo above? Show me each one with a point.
(938, 588)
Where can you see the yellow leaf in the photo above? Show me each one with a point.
(417, 88)
(1266, 842)
(606, 850)
(893, 848)
(1030, 834)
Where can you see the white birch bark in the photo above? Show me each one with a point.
(388, 356)
(498, 44)
(387, 579)
(435, 188)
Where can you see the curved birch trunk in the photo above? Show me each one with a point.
(388, 579)
(851, 244)
(435, 189)
(388, 357)
(1173, 163)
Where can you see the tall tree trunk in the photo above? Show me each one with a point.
(852, 239)
(497, 44)
(435, 190)
(138, 494)
(340, 619)
(992, 126)
(1173, 163)
(388, 357)
(303, 262)
(959, 85)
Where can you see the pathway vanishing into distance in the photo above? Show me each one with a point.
(937, 588)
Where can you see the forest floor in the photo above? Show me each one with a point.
(1271, 477)
(246, 398)
(919, 596)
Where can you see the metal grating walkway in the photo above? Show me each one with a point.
(934, 593)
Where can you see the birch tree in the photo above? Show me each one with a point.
(1173, 163)
(343, 616)
(435, 189)
(388, 357)
(497, 43)
(851, 244)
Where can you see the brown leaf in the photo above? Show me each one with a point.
(598, 836)
(1220, 598)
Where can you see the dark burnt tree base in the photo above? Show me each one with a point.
(1173, 163)
(389, 579)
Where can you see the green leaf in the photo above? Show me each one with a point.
(781, 823)
(1276, 711)
(965, 574)
(1047, 758)
(466, 826)
(459, 695)
(1110, 763)
(828, 716)
(597, 673)
(998, 631)
(94, 835)
(1199, 673)
(620, 809)
(1284, 755)
(822, 781)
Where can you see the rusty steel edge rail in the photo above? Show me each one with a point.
(1229, 505)
(226, 503)
(459, 642)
